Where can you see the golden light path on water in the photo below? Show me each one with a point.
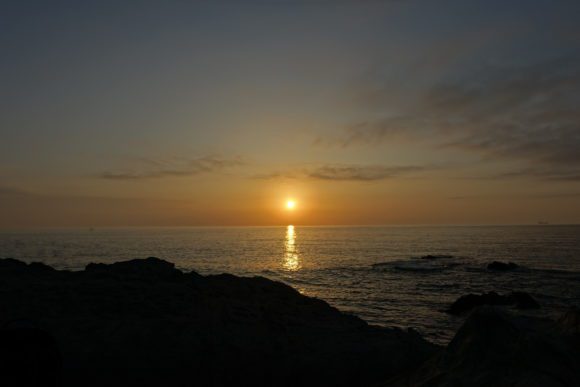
(291, 257)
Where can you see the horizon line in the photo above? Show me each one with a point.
(2, 229)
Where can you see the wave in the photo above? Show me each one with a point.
(414, 265)
(426, 263)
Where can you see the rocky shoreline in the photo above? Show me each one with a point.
(143, 322)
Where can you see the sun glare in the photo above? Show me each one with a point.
(290, 204)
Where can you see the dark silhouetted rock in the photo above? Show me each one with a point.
(523, 300)
(40, 267)
(430, 257)
(569, 323)
(466, 303)
(470, 301)
(502, 266)
(493, 348)
(29, 357)
(11, 264)
(150, 268)
(145, 323)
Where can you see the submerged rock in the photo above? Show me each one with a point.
(145, 323)
(431, 257)
(520, 300)
(418, 266)
(493, 348)
(415, 265)
(502, 266)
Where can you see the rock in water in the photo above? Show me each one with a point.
(502, 266)
(145, 323)
(470, 301)
(431, 257)
(520, 300)
(493, 348)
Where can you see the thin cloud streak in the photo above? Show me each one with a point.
(555, 195)
(10, 191)
(550, 175)
(360, 173)
(345, 173)
(161, 169)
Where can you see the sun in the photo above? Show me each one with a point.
(290, 204)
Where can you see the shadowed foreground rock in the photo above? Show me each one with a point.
(493, 348)
(519, 300)
(502, 266)
(145, 323)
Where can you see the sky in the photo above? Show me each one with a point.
(211, 113)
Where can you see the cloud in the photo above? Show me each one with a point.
(525, 113)
(10, 191)
(278, 175)
(550, 195)
(344, 172)
(374, 133)
(542, 174)
(174, 168)
(360, 173)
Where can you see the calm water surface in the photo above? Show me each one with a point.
(373, 272)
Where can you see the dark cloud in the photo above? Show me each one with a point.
(374, 133)
(542, 174)
(342, 172)
(175, 168)
(278, 175)
(360, 172)
(10, 191)
(528, 113)
(550, 195)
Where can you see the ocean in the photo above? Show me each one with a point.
(373, 272)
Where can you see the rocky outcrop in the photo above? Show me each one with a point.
(494, 348)
(139, 269)
(502, 266)
(145, 323)
(519, 300)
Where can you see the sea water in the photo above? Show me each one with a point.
(376, 273)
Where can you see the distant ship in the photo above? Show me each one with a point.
(543, 223)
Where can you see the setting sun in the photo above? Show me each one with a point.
(290, 204)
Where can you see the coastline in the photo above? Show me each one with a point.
(143, 322)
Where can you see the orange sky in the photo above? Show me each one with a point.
(215, 113)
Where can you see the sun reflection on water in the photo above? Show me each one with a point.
(291, 258)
